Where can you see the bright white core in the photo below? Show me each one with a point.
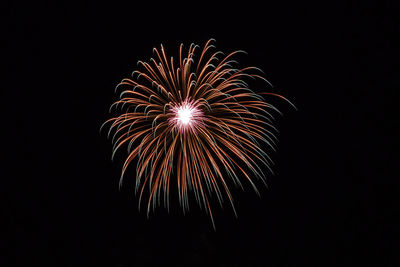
(185, 114)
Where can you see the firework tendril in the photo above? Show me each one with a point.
(193, 123)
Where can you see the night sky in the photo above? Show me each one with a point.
(331, 201)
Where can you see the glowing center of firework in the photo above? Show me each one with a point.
(185, 114)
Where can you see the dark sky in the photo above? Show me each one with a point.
(332, 200)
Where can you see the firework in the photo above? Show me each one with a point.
(193, 123)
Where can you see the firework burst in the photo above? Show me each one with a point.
(193, 123)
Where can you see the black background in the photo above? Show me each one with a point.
(332, 200)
